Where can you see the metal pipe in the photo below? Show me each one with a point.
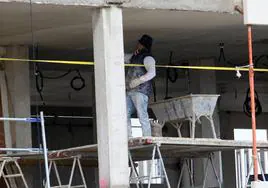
(67, 117)
(163, 166)
(252, 104)
(152, 165)
(45, 148)
(22, 149)
(28, 120)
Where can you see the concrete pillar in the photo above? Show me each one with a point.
(94, 134)
(18, 84)
(15, 98)
(2, 94)
(204, 82)
(110, 97)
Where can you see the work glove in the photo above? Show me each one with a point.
(135, 83)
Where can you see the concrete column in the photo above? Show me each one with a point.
(3, 129)
(18, 94)
(15, 98)
(110, 97)
(204, 82)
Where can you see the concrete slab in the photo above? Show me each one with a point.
(170, 147)
(200, 5)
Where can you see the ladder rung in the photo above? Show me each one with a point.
(12, 176)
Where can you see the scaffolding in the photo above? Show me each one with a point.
(140, 149)
(10, 170)
(6, 161)
(53, 165)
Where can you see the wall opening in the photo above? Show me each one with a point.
(243, 157)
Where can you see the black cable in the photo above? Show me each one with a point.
(73, 82)
(256, 59)
(172, 73)
(247, 105)
(82, 83)
(39, 80)
(39, 84)
(60, 76)
(222, 55)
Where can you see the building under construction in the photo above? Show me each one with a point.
(63, 108)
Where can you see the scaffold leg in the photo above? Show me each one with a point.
(9, 170)
(215, 171)
(133, 170)
(163, 165)
(52, 164)
(76, 163)
(156, 151)
(151, 169)
(250, 168)
(210, 160)
(186, 166)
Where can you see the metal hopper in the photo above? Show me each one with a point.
(186, 108)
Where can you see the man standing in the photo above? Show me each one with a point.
(139, 83)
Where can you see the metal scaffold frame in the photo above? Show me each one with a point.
(75, 163)
(156, 152)
(7, 171)
(244, 178)
(44, 149)
(144, 148)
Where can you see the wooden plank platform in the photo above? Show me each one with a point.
(141, 148)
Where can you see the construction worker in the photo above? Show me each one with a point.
(139, 83)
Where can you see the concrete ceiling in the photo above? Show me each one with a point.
(189, 34)
(64, 32)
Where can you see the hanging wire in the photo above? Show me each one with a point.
(256, 59)
(73, 83)
(247, 105)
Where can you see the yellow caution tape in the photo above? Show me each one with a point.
(137, 65)
(49, 61)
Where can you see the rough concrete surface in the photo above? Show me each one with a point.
(197, 5)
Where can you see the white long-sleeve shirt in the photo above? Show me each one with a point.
(149, 64)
